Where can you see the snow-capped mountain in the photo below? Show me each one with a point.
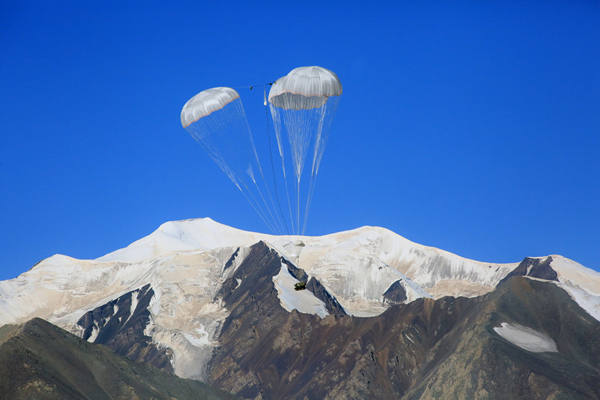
(168, 291)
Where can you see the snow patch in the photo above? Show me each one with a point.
(94, 335)
(302, 300)
(189, 361)
(200, 338)
(526, 338)
(134, 303)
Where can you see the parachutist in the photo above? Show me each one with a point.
(300, 286)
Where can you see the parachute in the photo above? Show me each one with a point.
(302, 106)
(215, 118)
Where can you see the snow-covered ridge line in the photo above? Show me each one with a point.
(183, 236)
(438, 271)
(389, 247)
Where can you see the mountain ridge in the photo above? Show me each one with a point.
(163, 299)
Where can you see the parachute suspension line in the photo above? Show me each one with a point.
(313, 179)
(311, 189)
(276, 221)
(271, 155)
(299, 125)
(277, 123)
(287, 192)
(258, 209)
(298, 210)
(326, 118)
(279, 214)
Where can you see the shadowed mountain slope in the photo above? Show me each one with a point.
(41, 361)
(120, 325)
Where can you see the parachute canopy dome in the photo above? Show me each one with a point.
(205, 103)
(305, 88)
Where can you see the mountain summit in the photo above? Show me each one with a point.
(379, 316)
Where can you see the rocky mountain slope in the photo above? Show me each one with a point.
(41, 361)
(214, 303)
(526, 339)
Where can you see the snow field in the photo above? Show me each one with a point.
(302, 300)
(526, 338)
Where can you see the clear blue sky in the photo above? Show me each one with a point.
(471, 126)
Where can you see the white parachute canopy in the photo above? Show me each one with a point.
(302, 105)
(216, 119)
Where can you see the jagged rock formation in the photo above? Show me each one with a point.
(120, 325)
(395, 294)
(534, 268)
